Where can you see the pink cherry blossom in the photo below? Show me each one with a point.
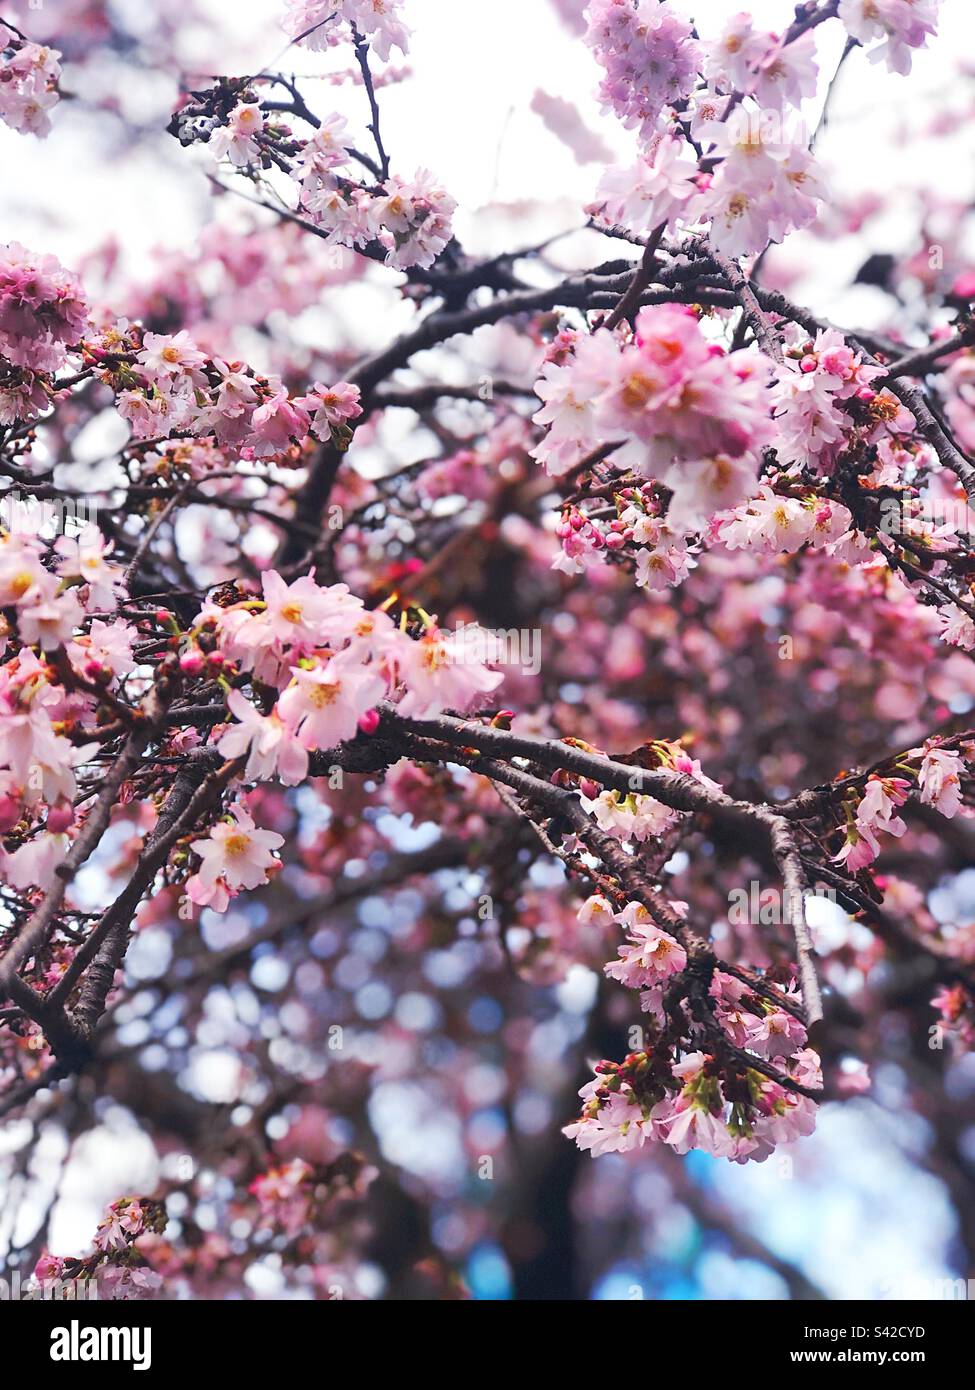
(649, 959)
(440, 671)
(271, 748)
(332, 406)
(235, 855)
(277, 424)
(648, 193)
(29, 74)
(42, 309)
(379, 20)
(648, 54)
(323, 705)
(902, 24)
(940, 779)
(238, 138)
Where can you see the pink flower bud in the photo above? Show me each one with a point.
(808, 364)
(59, 818)
(369, 722)
(866, 395)
(589, 789)
(192, 661)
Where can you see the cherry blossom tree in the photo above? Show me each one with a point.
(549, 728)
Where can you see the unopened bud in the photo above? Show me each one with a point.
(369, 722)
(59, 818)
(191, 662)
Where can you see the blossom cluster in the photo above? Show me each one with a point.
(46, 606)
(329, 662)
(760, 64)
(42, 309)
(635, 817)
(663, 553)
(630, 1104)
(694, 421)
(765, 185)
(823, 390)
(676, 1093)
(336, 659)
(47, 600)
(718, 121)
(43, 314)
(319, 24)
(901, 25)
(166, 386)
(648, 959)
(29, 76)
(693, 416)
(118, 1264)
(662, 556)
(411, 219)
(773, 523)
(649, 56)
(762, 186)
(721, 156)
(939, 773)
